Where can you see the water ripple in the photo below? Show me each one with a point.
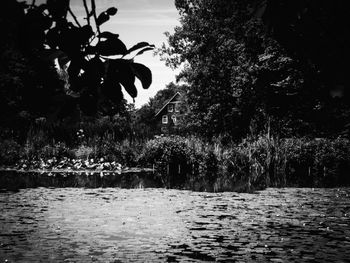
(157, 225)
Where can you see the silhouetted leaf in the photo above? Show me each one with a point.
(143, 73)
(111, 46)
(144, 50)
(124, 74)
(111, 11)
(138, 46)
(102, 18)
(107, 34)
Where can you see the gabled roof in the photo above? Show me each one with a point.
(166, 104)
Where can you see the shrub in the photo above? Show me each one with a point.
(114, 151)
(171, 157)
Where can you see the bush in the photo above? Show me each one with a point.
(194, 164)
(58, 150)
(171, 157)
(114, 151)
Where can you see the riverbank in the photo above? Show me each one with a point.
(14, 179)
(193, 164)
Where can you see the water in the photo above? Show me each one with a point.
(158, 225)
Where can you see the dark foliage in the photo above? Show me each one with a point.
(54, 67)
(256, 65)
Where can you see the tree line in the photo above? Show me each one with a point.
(263, 66)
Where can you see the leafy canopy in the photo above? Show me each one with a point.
(252, 64)
(92, 65)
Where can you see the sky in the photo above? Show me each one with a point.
(136, 21)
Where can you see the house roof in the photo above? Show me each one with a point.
(166, 104)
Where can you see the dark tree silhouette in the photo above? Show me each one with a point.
(57, 67)
(253, 64)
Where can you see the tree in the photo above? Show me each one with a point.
(92, 66)
(244, 71)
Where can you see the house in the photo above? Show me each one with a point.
(169, 115)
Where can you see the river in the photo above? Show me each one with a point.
(159, 225)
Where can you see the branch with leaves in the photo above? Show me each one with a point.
(97, 70)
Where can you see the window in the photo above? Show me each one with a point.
(171, 107)
(165, 119)
(173, 117)
(177, 107)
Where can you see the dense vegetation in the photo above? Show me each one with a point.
(257, 65)
(55, 68)
(264, 88)
(191, 163)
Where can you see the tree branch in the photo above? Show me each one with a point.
(93, 7)
(88, 14)
(74, 17)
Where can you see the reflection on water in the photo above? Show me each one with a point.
(158, 225)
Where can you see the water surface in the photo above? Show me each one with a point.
(158, 225)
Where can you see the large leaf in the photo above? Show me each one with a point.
(124, 74)
(102, 18)
(107, 34)
(112, 11)
(143, 73)
(111, 46)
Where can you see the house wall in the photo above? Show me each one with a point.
(175, 106)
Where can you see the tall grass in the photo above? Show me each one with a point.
(251, 164)
(192, 163)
